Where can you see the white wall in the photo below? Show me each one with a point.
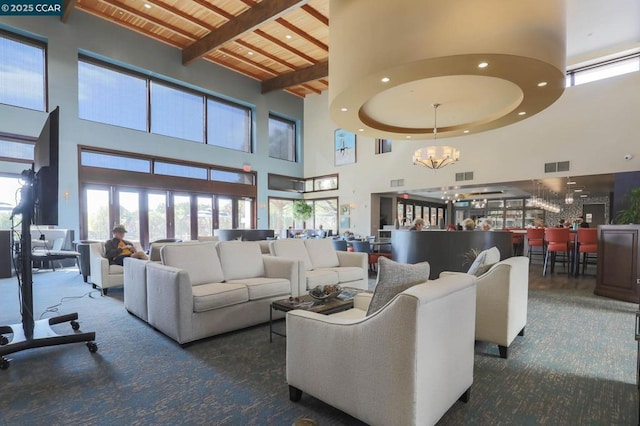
(592, 125)
(85, 33)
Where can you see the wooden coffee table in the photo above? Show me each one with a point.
(285, 305)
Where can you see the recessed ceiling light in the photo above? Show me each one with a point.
(361, 130)
(249, 53)
(571, 182)
(408, 137)
(148, 6)
(542, 84)
(466, 131)
(521, 113)
(343, 109)
(483, 64)
(385, 79)
(577, 190)
(583, 195)
(288, 37)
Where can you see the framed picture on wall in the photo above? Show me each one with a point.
(344, 145)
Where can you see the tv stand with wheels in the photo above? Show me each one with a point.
(34, 334)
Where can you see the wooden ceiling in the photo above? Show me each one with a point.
(282, 43)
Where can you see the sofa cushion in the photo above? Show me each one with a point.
(262, 288)
(218, 295)
(240, 259)
(479, 261)
(292, 248)
(394, 278)
(116, 269)
(321, 277)
(200, 260)
(322, 253)
(348, 273)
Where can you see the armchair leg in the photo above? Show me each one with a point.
(521, 332)
(504, 351)
(465, 396)
(294, 393)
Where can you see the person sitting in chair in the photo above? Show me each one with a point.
(117, 248)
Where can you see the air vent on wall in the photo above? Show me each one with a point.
(464, 176)
(560, 166)
(397, 182)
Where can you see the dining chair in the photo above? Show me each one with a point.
(587, 244)
(339, 245)
(535, 238)
(557, 241)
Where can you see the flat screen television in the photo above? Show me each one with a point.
(46, 166)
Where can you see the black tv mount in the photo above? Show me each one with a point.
(34, 334)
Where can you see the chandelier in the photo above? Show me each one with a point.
(543, 203)
(568, 199)
(436, 157)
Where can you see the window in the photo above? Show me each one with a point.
(112, 97)
(293, 184)
(232, 177)
(205, 216)
(16, 150)
(9, 198)
(182, 209)
(606, 69)
(116, 162)
(225, 213)
(130, 213)
(325, 213)
(22, 73)
(282, 139)
(157, 216)
(179, 170)
(228, 126)
(176, 113)
(97, 214)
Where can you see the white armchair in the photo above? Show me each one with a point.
(407, 363)
(103, 275)
(502, 299)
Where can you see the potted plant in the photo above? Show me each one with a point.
(630, 215)
(302, 211)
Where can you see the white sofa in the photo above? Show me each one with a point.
(322, 264)
(103, 275)
(203, 289)
(406, 364)
(502, 299)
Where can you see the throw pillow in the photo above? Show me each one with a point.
(394, 278)
(479, 261)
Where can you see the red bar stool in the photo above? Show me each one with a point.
(557, 242)
(587, 244)
(535, 238)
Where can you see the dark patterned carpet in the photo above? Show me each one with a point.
(575, 366)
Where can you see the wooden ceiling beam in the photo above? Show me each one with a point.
(161, 24)
(301, 76)
(245, 22)
(288, 25)
(249, 62)
(67, 7)
(284, 45)
(313, 12)
(266, 54)
(220, 12)
(181, 14)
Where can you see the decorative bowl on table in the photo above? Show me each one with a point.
(325, 293)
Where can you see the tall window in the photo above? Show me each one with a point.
(97, 208)
(157, 213)
(205, 217)
(225, 213)
(22, 73)
(112, 97)
(182, 208)
(130, 213)
(326, 214)
(176, 113)
(282, 139)
(228, 126)
(9, 198)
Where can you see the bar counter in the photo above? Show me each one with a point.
(447, 250)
